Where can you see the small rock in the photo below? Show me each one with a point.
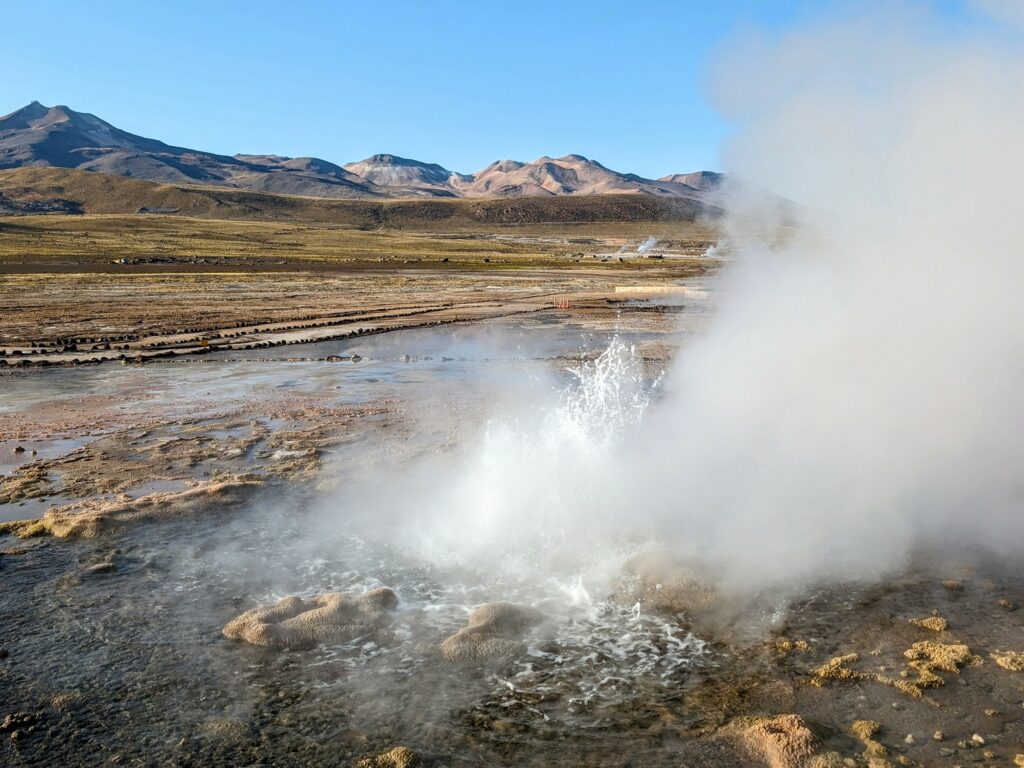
(106, 566)
(909, 739)
(946, 751)
(399, 757)
(991, 712)
(977, 739)
(953, 585)
(935, 623)
(782, 740)
(19, 449)
(1010, 660)
(296, 624)
(938, 736)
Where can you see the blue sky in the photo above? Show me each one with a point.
(461, 83)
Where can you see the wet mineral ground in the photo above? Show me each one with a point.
(171, 594)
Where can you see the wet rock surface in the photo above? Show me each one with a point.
(139, 663)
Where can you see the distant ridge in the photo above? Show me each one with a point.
(71, 191)
(60, 137)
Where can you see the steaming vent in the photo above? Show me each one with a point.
(646, 245)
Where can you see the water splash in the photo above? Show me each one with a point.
(531, 496)
(608, 397)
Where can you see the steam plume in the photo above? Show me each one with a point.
(859, 392)
(647, 244)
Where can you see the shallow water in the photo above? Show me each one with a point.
(44, 449)
(407, 356)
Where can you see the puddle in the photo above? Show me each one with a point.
(45, 449)
(29, 509)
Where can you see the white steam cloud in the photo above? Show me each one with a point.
(647, 244)
(859, 393)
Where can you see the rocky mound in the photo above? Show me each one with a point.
(783, 741)
(399, 757)
(494, 631)
(296, 624)
(94, 517)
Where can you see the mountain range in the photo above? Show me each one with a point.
(59, 137)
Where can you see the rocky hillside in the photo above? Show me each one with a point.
(60, 137)
(63, 138)
(70, 191)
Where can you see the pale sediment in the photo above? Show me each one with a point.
(296, 624)
(92, 517)
(494, 631)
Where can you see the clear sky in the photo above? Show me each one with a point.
(458, 82)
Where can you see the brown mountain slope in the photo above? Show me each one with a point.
(58, 190)
(569, 175)
(402, 173)
(700, 180)
(63, 138)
